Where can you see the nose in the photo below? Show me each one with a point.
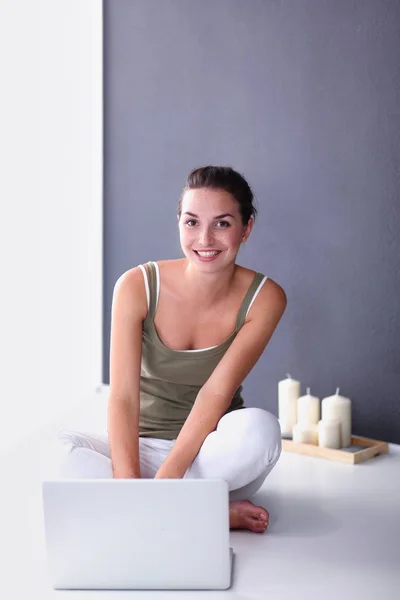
(206, 237)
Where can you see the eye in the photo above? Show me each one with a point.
(224, 223)
(190, 221)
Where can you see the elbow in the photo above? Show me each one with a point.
(214, 404)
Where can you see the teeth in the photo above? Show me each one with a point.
(207, 254)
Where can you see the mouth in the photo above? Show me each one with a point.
(207, 255)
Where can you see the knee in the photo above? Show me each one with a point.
(264, 427)
(263, 421)
(258, 434)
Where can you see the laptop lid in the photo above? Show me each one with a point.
(137, 533)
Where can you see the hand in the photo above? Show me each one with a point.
(168, 472)
(127, 475)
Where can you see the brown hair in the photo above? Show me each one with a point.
(223, 178)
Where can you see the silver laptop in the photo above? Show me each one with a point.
(137, 534)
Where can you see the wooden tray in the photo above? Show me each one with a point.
(360, 450)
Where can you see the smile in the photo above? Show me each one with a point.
(207, 255)
(208, 252)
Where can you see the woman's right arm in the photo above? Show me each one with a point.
(129, 309)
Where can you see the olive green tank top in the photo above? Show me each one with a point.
(171, 379)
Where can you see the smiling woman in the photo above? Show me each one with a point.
(185, 333)
(215, 215)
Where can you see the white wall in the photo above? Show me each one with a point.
(51, 250)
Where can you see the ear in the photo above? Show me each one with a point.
(247, 230)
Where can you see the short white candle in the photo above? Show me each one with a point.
(288, 393)
(339, 407)
(306, 433)
(308, 409)
(329, 433)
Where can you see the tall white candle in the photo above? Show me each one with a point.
(288, 393)
(329, 435)
(339, 407)
(308, 409)
(306, 433)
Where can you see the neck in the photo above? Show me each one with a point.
(208, 287)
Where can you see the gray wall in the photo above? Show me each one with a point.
(302, 97)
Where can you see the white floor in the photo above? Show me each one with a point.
(334, 528)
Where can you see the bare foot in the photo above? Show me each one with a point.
(243, 514)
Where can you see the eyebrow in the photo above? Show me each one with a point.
(217, 217)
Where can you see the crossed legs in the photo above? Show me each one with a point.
(243, 450)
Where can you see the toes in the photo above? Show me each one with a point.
(257, 525)
(245, 515)
(260, 528)
(249, 509)
(263, 524)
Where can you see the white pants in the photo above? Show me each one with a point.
(243, 450)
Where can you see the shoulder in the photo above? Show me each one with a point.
(130, 290)
(270, 290)
(274, 294)
(131, 277)
(271, 301)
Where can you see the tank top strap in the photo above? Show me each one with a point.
(152, 281)
(241, 317)
(247, 299)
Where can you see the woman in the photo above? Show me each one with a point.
(184, 335)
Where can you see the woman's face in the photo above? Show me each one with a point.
(210, 222)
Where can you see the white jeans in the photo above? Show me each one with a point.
(243, 450)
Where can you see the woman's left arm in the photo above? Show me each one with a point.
(215, 396)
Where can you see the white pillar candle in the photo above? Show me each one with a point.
(329, 435)
(306, 433)
(339, 407)
(308, 409)
(288, 393)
